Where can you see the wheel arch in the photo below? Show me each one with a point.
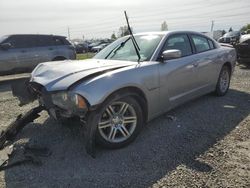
(58, 58)
(229, 65)
(134, 92)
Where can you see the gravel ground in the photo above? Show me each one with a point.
(207, 144)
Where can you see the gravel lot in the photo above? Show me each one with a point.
(207, 145)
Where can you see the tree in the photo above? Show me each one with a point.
(113, 37)
(245, 28)
(164, 26)
(230, 29)
(123, 31)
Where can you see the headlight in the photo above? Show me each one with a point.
(67, 100)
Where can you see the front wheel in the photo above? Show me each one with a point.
(119, 123)
(223, 81)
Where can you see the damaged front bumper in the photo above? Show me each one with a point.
(27, 92)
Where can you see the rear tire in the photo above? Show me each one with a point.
(120, 122)
(223, 82)
(59, 59)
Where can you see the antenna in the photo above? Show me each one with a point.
(137, 49)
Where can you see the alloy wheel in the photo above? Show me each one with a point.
(118, 122)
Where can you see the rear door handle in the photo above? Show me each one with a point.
(51, 48)
(23, 51)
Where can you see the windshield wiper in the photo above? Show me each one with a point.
(136, 46)
(118, 47)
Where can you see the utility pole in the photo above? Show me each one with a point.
(68, 33)
(212, 26)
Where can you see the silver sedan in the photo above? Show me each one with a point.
(118, 91)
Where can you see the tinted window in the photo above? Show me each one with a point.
(179, 42)
(211, 44)
(58, 41)
(201, 43)
(22, 41)
(44, 41)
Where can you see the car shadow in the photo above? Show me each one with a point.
(163, 144)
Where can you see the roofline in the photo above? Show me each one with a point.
(170, 32)
(36, 35)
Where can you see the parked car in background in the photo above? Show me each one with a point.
(81, 47)
(122, 88)
(93, 44)
(230, 37)
(22, 53)
(98, 48)
(243, 49)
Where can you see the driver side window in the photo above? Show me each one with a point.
(179, 42)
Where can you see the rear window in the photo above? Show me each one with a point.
(44, 41)
(60, 41)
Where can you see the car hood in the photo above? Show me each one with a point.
(60, 75)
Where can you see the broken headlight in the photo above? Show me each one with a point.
(67, 100)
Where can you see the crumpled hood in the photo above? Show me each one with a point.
(60, 75)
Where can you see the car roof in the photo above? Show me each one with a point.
(36, 35)
(169, 32)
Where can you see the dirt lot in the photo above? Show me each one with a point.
(206, 145)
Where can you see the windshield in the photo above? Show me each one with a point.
(232, 34)
(3, 38)
(123, 48)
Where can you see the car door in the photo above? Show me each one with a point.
(205, 60)
(45, 48)
(8, 58)
(24, 48)
(178, 77)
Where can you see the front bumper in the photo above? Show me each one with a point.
(35, 91)
(57, 112)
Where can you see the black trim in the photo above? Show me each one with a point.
(207, 38)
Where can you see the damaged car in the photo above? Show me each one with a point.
(131, 81)
(243, 49)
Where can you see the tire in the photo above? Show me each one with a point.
(60, 58)
(223, 82)
(112, 132)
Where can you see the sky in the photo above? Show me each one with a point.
(100, 18)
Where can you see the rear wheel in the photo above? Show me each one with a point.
(223, 81)
(119, 123)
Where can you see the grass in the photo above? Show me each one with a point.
(84, 56)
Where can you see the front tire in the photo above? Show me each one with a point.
(223, 81)
(120, 122)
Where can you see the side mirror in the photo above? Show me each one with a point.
(171, 54)
(5, 46)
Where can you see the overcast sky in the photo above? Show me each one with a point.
(100, 18)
